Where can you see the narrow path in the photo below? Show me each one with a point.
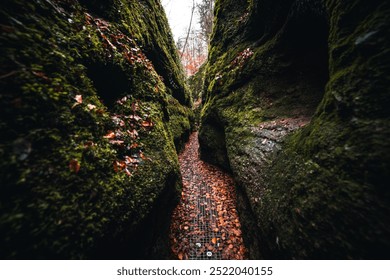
(205, 224)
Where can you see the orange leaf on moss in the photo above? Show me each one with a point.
(79, 98)
(109, 135)
(74, 166)
(119, 165)
(147, 124)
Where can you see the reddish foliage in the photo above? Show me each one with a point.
(192, 63)
(224, 230)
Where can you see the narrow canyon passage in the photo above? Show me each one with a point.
(205, 224)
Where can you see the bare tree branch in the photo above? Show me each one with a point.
(189, 28)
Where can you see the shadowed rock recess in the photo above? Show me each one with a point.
(295, 105)
(93, 100)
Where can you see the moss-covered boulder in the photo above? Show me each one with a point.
(296, 107)
(92, 98)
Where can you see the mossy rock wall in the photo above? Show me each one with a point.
(296, 98)
(149, 27)
(196, 86)
(92, 98)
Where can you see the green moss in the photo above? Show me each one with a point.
(153, 33)
(196, 85)
(319, 192)
(61, 196)
(180, 123)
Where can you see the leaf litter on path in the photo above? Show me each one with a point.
(205, 224)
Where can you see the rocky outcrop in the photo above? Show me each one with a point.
(93, 99)
(296, 97)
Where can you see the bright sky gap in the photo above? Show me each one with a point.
(179, 13)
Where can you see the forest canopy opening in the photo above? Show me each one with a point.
(191, 22)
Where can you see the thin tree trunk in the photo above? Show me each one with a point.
(189, 28)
